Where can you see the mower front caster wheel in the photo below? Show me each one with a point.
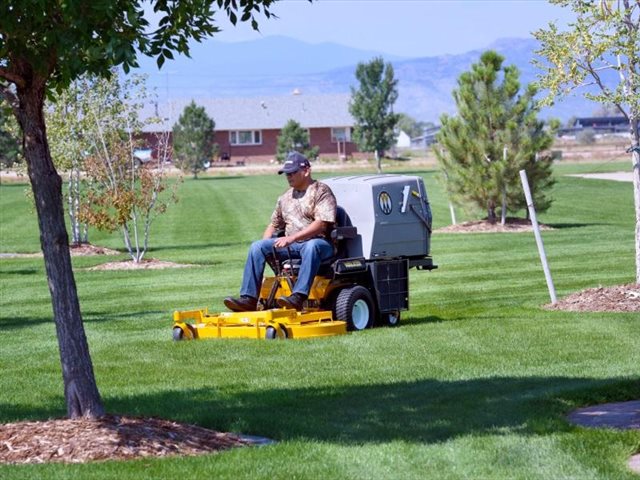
(178, 334)
(272, 333)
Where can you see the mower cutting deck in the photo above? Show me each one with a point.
(269, 324)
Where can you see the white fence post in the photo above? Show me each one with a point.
(536, 231)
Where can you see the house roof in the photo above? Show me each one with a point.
(261, 113)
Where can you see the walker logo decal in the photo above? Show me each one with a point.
(384, 202)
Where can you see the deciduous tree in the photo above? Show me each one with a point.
(45, 45)
(372, 107)
(9, 144)
(121, 194)
(599, 54)
(67, 128)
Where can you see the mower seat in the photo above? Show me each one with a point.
(342, 230)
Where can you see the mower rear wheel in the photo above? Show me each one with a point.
(354, 305)
(178, 334)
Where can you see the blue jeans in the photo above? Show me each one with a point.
(311, 252)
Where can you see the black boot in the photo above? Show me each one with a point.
(294, 301)
(243, 304)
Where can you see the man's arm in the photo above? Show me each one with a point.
(268, 232)
(315, 229)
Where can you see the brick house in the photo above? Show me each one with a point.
(246, 129)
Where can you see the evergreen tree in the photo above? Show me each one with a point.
(495, 134)
(372, 107)
(193, 139)
(294, 137)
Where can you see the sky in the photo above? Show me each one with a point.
(407, 28)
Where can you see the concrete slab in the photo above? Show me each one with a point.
(616, 176)
(621, 415)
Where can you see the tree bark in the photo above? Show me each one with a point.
(635, 161)
(80, 389)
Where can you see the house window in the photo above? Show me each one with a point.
(245, 137)
(341, 134)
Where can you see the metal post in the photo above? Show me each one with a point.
(536, 231)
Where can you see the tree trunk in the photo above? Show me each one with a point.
(491, 212)
(80, 389)
(635, 161)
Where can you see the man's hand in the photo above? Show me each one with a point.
(283, 242)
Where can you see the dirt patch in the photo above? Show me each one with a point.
(484, 226)
(149, 264)
(82, 250)
(108, 438)
(86, 249)
(618, 298)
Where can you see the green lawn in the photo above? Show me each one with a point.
(475, 383)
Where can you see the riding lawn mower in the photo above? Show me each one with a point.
(382, 230)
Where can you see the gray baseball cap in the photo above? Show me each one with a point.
(294, 162)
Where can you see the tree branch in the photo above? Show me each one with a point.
(12, 77)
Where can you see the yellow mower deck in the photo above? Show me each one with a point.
(274, 323)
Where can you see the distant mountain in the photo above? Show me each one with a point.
(279, 65)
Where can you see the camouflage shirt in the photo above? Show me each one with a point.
(296, 210)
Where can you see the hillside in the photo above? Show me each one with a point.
(278, 65)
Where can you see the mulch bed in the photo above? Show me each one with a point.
(512, 225)
(618, 298)
(108, 438)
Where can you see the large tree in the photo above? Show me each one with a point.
(46, 44)
(193, 139)
(600, 55)
(494, 135)
(372, 107)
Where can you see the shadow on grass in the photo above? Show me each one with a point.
(16, 323)
(561, 226)
(421, 411)
(428, 319)
(235, 176)
(96, 316)
(425, 411)
(193, 246)
(23, 271)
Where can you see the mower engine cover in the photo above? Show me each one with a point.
(391, 212)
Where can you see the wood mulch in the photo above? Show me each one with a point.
(145, 264)
(108, 438)
(618, 298)
(512, 225)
